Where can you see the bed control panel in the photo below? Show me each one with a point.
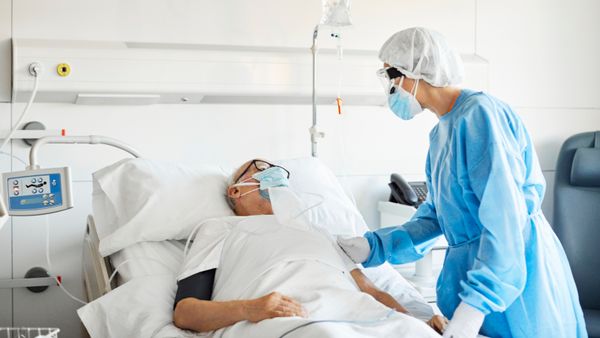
(37, 192)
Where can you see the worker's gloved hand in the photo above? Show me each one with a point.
(465, 323)
(357, 248)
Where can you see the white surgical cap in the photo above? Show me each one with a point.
(420, 53)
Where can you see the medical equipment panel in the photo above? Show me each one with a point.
(37, 192)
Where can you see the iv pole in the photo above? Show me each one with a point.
(336, 14)
(315, 135)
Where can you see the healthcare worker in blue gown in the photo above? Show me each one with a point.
(505, 273)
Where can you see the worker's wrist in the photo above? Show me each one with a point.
(243, 308)
(465, 311)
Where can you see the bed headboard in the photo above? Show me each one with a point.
(96, 269)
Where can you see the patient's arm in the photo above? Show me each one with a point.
(205, 315)
(437, 322)
(194, 309)
(365, 285)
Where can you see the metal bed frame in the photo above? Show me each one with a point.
(96, 269)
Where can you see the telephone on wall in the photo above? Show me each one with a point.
(409, 193)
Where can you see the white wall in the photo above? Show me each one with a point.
(541, 56)
(5, 80)
(5, 237)
(5, 59)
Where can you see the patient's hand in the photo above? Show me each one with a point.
(438, 323)
(272, 305)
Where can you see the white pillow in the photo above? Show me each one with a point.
(337, 213)
(137, 200)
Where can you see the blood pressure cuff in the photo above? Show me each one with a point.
(199, 286)
(585, 171)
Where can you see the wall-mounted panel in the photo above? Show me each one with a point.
(254, 23)
(118, 73)
(5, 49)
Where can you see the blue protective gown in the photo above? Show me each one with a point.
(485, 193)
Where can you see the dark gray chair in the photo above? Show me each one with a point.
(577, 218)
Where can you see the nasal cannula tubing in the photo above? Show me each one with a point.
(131, 260)
(193, 233)
(35, 69)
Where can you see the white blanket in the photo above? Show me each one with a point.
(260, 256)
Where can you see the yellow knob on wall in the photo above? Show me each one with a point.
(63, 69)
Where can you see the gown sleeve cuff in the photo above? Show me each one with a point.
(391, 244)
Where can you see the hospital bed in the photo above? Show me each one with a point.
(144, 272)
(96, 269)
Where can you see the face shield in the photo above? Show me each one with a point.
(387, 77)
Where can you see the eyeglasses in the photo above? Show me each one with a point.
(260, 165)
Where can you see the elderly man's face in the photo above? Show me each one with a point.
(247, 204)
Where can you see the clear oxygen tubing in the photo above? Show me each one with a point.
(49, 263)
(302, 212)
(25, 111)
(307, 209)
(193, 234)
(114, 274)
(22, 161)
(197, 227)
(360, 322)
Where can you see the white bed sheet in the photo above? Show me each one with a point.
(142, 305)
(260, 256)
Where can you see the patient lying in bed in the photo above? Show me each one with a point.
(204, 303)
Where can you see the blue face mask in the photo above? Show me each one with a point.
(403, 103)
(272, 177)
(268, 178)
